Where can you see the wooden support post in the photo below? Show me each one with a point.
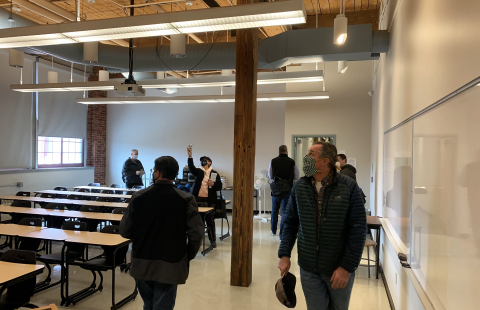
(244, 155)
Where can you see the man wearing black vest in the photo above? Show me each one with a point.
(281, 167)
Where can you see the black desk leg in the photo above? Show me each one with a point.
(63, 276)
(377, 258)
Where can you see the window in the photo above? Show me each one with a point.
(60, 152)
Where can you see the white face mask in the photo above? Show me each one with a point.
(135, 156)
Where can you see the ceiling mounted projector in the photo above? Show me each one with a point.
(130, 90)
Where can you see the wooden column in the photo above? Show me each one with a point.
(244, 155)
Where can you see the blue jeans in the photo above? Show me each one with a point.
(156, 295)
(277, 203)
(320, 295)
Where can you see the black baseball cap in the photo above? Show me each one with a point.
(285, 290)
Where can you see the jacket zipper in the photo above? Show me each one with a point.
(317, 224)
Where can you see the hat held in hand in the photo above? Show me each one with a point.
(285, 290)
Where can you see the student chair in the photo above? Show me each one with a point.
(20, 204)
(84, 190)
(91, 223)
(111, 258)
(74, 252)
(54, 221)
(18, 295)
(27, 244)
(118, 211)
(23, 194)
(138, 187)
(96, 185)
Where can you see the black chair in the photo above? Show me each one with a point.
(47, 195)
(60, 188)
(105, 199)
(84, 190)
(108, 191)
(221, 213)
(91, 224)
(54, 221)
(24, 194)
(111, 258)
(118, 211)
(75, 197)
(18, 295)
(115, 186)
(96, 185)
(27, 244)
(20, 204)
(138, 187)
(131, 192)
(74, 252)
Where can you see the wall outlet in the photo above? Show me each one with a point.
(396, 277)
(19, 184)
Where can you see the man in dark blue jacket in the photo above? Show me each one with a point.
(326, 214)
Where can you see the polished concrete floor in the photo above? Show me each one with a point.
(208, 286)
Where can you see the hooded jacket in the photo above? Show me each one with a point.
(350, 171)
(338, 240)
(166, 231)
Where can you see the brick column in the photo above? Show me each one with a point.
(97, 132)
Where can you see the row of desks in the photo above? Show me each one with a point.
(68, 237)
(85, 194)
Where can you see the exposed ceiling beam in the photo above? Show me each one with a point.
(39, 10)
(354, 18)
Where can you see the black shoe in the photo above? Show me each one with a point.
(214, 244)
(274, 233)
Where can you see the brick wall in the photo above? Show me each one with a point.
(97, 132)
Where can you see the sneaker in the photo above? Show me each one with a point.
(274, 233)
(214, 244)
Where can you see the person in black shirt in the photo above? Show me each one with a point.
(133, 171)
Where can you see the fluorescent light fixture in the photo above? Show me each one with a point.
(342, 66)
(204, 99)
(53, 87)
(262, 79)
(212, 19)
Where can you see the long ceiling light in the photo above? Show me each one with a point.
(263, 78)
(191, 21)
(204, 99)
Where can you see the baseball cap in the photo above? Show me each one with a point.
(285, 290)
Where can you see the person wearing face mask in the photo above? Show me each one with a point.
(205, 190)
(166, 231)
(325, 213)
(133, 171)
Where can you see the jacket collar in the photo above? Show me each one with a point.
(309, 180)
(163, 182)
(283, 155)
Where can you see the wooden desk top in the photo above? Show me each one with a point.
(83, 194)
(67, 201)
(100, 216)
(96, 238)
(104, 187)
(10, 271)
(63, 213)
(17, 230)
(204, 209)
(54, 234)
(373, 222)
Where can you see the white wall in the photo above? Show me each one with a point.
(433, 51)
(167, 129)
(43, 179)
(347, 113)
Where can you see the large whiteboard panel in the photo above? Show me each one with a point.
(445, 252)
(398, 183)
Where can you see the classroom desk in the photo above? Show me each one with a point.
(15, 230)
(67, 201)
(85, 194)
(13, 273)
(101, 188)
(100, 239)
(373, 222)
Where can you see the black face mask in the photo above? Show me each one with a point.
(204, 163)
(152, 181)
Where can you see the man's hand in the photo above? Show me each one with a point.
(189, 151)
(284, 265)
(340, 278)
(210, 183)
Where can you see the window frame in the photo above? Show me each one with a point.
(62, 165)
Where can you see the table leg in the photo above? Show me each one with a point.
(377, 254)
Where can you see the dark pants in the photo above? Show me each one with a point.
(209, 219)
(277, 203)
(156, 295)
(132, 184)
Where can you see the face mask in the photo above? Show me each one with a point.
(154, 179)
(309, 166)
(204, 163)
(337, 164)
(135, 156)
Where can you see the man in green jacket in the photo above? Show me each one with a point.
(326, 214)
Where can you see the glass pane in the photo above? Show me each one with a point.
(66, 147)
(57, 147)
(41, 158)
(78, 147)
(71, 157)
(65, 158)
(56, 159)
(78, 158)
(41, 146)
(48, 158)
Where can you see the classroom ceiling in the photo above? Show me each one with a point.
(357, 11)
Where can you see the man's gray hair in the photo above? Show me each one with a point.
(134, 150)
(328, 151)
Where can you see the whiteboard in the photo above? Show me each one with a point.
(440, 227)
